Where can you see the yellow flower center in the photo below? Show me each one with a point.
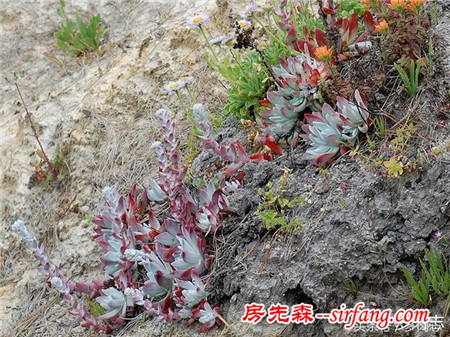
(198, 19)
(174, 85)
(184, 79)
(242, 24)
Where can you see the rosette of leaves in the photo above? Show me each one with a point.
(324, 133)
(328, 131)
(160, 280)
(354, 115)
(78, 37)
(298, 82)
(250, 79)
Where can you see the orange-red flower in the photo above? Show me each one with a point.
(382, 27)
(398, 4)
(323, 53)
(371, 3)
(415, 4)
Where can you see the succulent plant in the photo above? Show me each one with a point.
(328, 130)
(207, 316)
(56, 279)
(114, 302)
(193, 291)
(233, 153)
(354, 115)
(159, 281)
(190, 254)
(134, 297)
(113, 256)
(324, 133)
(165, 254)
(155, 192)
(298, 80)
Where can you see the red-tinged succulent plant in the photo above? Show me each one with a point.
(299, 81)
(153, 265)
(340, 35)
(234, 153)
(324, 133)
(328, 131)
(56, 279)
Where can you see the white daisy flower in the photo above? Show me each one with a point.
(249, 10)
(174, 86)
(243, 24)
(187, 79)
(197, 20)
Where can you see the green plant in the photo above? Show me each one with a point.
(251, 80)
(380, 126)
(394, 167)
(419, 289)
(351, 286)
(87, 221)
(399, 162)
(436, 276)
(276, 208)
(438, 272)
(78, 37)
(433, 12)
(411, 80)
(348, 7)
(429, 57)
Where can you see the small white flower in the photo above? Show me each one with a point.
(197, 20)
(174, 86)
(243, 24)
(249, 10)
(187, 79)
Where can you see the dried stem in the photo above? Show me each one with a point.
(49, 163)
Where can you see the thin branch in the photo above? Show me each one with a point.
(49, 163)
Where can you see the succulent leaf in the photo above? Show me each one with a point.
(298, 81)
(113, 301)
(328, 130)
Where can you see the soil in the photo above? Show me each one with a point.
(99, 111)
